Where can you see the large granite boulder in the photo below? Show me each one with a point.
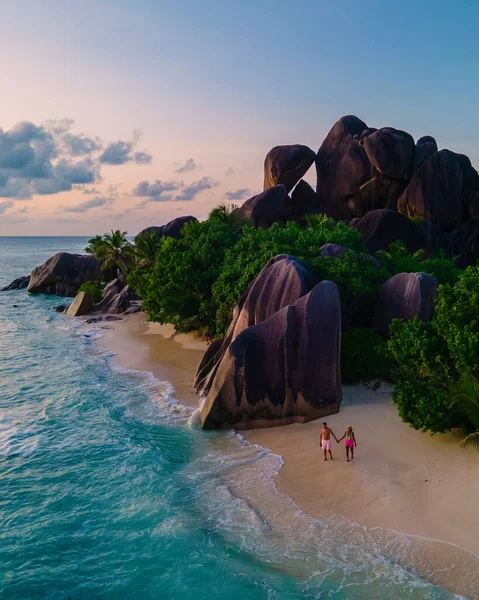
(81, 305)
(282, 281)
(64, 273)
(117, 297)
(383, 227)
(283, 370)
(465, 243)
(425, 146)
(405, 296)
(304, 201)
(266, 208)
(17, 284)
(342, 166)
(286, 165)
(171, 229)
(434, 192)
(390, 151)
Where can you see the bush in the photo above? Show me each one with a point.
(255, 247)
(94, 288)
(363, 356)
(177, 289)
(424, 373)
(399, 260)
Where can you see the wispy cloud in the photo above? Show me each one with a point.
(229, 172)
(5, 205)
(96, 202)
(190, 192)
(240, 194)
(188, 167)
(158, 191)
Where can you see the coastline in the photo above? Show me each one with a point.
(401, 481)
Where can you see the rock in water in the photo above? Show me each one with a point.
(434, 192)
(171, 229)
(282, 281)
(405, 296)
(283, 370)
(383, 227)
(266, 208)
(17, 284)
(64, 273)
(60, 308)
(81, 305)
(286, 165)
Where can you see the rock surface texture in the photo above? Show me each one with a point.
(282, 281)
(286, 165)
(117, 298)
(17, 284)
(81, 305)
(171, 229)
(266, 208)
(286, 369)
(405, 296)
(64, 273)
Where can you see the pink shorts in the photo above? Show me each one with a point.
(349, 443)
(326, 445)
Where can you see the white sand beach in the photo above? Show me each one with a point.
(400, 479)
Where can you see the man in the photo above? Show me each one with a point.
(325, 441)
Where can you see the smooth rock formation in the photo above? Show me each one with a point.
(342, 166)
(383, 227)
(171, 229)
(434, 192)
(266, 208)
(17, 284)
(304, 201)
(283, 370)
(81, 305)
(390, 151)
(64, 273)
(117, 298)
(425, 146)
(286, 165)
(333, 250)
(282, 281)
(465, 243)
(60, 308)
(404, 296)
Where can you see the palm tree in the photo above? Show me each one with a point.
(319, 221)
(466, 394)
(96, 246)
(118, 252)
(223, 212)
(146, 249)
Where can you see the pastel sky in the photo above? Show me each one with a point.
(122, 114)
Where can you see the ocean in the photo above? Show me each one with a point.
(110, 489)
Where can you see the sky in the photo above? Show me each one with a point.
(117, 114)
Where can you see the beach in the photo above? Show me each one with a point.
(401, 480)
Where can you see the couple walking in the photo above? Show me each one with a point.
(325, 441)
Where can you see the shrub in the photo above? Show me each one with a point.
(363, 356)
(255, 247)
(94, 288)
(424, 372)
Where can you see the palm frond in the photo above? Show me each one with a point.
(470, 440)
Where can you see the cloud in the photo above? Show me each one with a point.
(240, 194)
(188, 167)
(190, 192)
(158, 191)
(96, 202)
(50, 158)
(5, 205)
(92, 190)
(120, 153)
(229, 172)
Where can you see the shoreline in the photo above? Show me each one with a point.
(401, 481)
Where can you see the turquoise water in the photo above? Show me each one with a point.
(109, 489)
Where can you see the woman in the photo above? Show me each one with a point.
(350, 442)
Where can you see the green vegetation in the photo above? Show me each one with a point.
(465, 394)
(194, 282)
(432, 358)
(94, 288)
